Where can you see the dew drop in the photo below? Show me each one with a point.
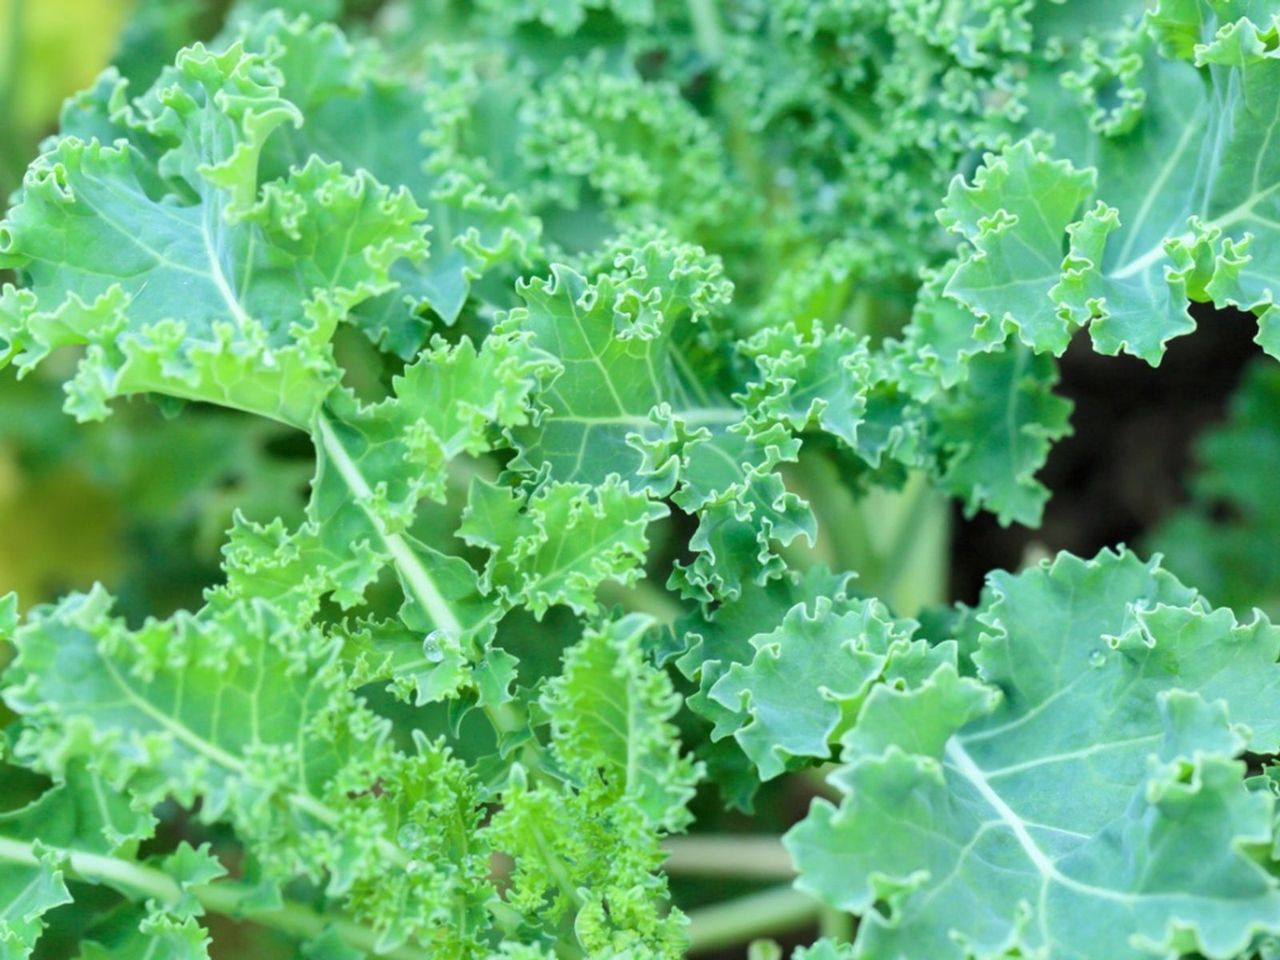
(433, 646)
(410, 836)
(1097, 659)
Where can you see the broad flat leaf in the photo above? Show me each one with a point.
(182, 272)
(1079, 798)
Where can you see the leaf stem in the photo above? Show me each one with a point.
(835, 924)
(737, 921)
(726, 855)
(225, 898)
(706, 29)
(416, 577)
(643, 596)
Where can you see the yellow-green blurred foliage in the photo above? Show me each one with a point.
(56, 529)
(50, 49)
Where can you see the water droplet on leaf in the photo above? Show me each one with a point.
(410, 836)
(1097, 659)
(433, 645)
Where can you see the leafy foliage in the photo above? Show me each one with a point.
(618, 339)
(1058, 803)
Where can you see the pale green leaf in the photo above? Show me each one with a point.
(1079, 798)
(807, 680)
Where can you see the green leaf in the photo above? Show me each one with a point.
(993, 432)
(623, 376)
(192, 867)
(561, 543)
(731, 482)
(252, 713)
(566, 16)
(817, 380)
(589, 846)
(178, 269)
(712, 641)
(610, 713)
(82, 814)
(1182, 204)
(1013, 217)
(808, 679)
(1068, 800)
(29, 892)
(594, 135)
(158, 936)
(941, 340)
(597, 861)
(376, 462)
(360, 114)
(824, 949)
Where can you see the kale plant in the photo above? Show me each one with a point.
(639, 347)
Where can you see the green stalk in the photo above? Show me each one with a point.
(835, 924)
(707, 30)
(416, 576)
(227, 898)
(895, 540)
(773, 911)
(643, 596)
(721, 855)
